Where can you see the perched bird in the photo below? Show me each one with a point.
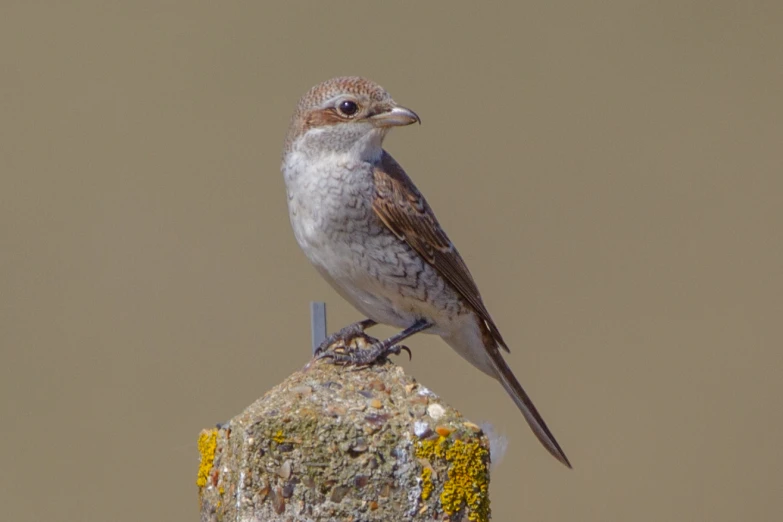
(370, 233)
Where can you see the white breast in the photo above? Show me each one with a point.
(329, 198)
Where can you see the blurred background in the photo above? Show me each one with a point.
(610, 171)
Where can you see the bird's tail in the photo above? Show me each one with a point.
(482, 350)
(525, 405)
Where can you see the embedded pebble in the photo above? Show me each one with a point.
(336, 410)
(473, 427)
(264, 491)
(278, 502)
(421, 429)
(375, 403)
(339, 493)
(284, 472)
(444, 431)
(423, 390)
(436, 411)
(376, 419)
(419, 399)
(417, 411)
(302, 390)
(360, 446)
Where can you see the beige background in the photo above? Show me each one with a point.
(610, 171)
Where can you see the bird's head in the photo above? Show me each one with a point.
(346, 115)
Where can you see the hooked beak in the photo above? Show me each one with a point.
(395, 117)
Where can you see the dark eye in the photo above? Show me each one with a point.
(348, 107)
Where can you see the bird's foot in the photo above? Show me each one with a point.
(354, 354)
(345, 335)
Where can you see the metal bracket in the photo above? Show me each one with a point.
(317, 323)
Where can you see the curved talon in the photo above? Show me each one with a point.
(401, 347)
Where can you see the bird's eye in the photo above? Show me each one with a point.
(348, 108)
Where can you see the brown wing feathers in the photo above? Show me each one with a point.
(406, 213)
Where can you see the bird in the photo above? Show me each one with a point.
(370, 233)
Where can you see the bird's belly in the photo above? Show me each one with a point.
(387, 281)
(374, 305)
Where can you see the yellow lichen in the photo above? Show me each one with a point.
(279, 437)
(468, 475)
(207, 445)
(426, 483)
(432, 448)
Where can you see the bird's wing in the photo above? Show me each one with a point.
(402, 208)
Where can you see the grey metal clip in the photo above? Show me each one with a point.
(317, 323)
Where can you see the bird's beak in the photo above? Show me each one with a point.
(396, 116)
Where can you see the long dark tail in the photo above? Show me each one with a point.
(523, 402)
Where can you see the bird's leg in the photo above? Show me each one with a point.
(346, 335)
(380, 349)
